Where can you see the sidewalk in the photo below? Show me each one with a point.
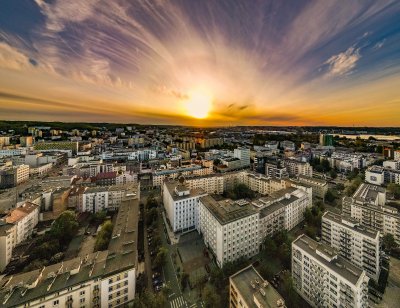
(172, 237)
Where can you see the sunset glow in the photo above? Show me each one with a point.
(263, 62)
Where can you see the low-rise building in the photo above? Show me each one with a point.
(325, 279)
(248, 289)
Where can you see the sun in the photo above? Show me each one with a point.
(199, 104)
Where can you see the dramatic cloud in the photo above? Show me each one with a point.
(343, 63)
(258, 60)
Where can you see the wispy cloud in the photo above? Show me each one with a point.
(343, 63)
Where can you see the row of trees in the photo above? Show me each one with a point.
(312, 218)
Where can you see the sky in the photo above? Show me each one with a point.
(202, 63)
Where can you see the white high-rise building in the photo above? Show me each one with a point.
(243, 154)
(325, 279)
(367, 206)
(354, 242)
(229, 228)
(181, 204)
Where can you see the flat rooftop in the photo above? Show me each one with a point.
(368, 192)
(227, 211)
(338, 264)
(175, 184)
(243, 281)
(352, 224)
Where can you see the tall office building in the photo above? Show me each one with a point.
(325, 140)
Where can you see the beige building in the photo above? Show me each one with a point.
(247, 289)
(319, 187)
(25, 218)
(7, 243)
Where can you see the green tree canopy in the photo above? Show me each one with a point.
(65, 227)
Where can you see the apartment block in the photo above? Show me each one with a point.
(100, 279)
(181, 204)
(282, 210)
(95, 199)
(324, 278)
(319, 187)
(297, 168)
(8, 236)
(25, 218)
(358, 244)
(229, 228)
(248, 289)
(368, 206)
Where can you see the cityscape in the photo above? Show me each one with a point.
(199, 154)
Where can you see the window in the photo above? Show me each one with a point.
(82, 300)
(56, 302)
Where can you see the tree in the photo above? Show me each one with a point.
(269, 247)
(333, 174)
(394, 189)
(217, 162)
(99, 217)
(330, 196)
(340, 187)
(151, 216)
(161, 257)
(210, 297)
(184, 280)
(389, 242)
(104, 236)
(65, 227)
(151, 201)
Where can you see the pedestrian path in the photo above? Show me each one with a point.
(178, 302)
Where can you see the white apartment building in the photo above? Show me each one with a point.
(358, 244)
(260, 183)
(243, 154)
(229, 229)
(25, 218)
(181, 204)
(160, 175)
(367, 206)
(8, 234)
(378, 175)
(100, 279)
(283, 210)
(325, 279)
(96, 199)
